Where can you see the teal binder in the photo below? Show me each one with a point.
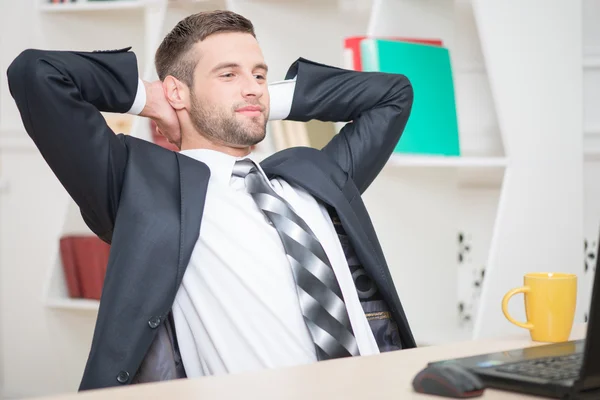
(432, 128)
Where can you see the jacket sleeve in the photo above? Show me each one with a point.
(376, 106)
(60, 96)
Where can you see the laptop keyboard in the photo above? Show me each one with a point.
(550, 368)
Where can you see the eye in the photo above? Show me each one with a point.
(260, 77)
(227, 75)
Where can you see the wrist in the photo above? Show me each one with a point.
(153, 90)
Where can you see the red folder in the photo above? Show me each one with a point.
(352, 44)
(84, 260)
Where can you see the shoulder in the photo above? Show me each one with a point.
(305, 159)
(143, 147)
(150, 159)
(293, 155)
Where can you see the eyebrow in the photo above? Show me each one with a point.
(224, 65)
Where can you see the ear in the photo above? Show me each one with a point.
(176, 92)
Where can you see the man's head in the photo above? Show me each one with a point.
(214, 75)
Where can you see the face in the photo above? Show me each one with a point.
(230, 99)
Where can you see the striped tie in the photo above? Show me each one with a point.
(321, 299)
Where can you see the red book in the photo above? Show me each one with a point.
(352, 48)
(67, 254)
(84, 259)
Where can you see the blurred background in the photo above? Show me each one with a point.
(497, 173)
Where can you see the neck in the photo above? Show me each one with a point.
(198, 141)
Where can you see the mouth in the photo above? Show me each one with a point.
(250, 111)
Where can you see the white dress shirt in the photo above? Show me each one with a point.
(237, 308)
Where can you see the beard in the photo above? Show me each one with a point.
(218, 125)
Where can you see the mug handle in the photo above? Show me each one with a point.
(507, 296)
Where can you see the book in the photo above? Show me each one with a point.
(352, 54)
(84, 260)
(432, 127)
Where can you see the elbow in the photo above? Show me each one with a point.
(21, 66)
(402, 102)
(22, 71)
(403, 93)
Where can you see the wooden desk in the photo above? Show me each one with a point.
(384, 376)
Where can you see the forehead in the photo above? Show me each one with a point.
(233, 47)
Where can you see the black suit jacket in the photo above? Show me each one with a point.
(148, 201)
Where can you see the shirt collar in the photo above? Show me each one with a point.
(219, 163)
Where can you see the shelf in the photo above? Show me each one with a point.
(73, 304)
(56, 294)
(401, 160)
(469, 171)
(591, 62)
(112, 5)
(416, 161)
(592, 155)
(85, 6)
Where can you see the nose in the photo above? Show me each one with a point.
(252, 88)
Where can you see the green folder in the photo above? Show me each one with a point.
(432, 128)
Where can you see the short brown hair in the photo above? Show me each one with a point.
(173, 55)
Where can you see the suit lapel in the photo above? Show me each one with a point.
(305, 174)
(193, 183)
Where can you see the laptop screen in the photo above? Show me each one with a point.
(590, 371)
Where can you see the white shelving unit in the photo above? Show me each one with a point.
(544, 182)
(73, 304)
(55, 293)
(469, 171)
(92, 6)
(118, 5)
(466, 171)
(400, 160)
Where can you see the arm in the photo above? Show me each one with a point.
(378, 104)
(60, 96)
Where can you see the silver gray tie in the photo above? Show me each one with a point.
(321, 299)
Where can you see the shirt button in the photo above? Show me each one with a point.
(123, 377)
(154, 322)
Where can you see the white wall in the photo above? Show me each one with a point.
(2, 40)
(284, 34)
(42, 351)
(536, 79)
(417, 213)
(591, 127)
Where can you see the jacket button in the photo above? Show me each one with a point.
(123, 377)
(154, 322)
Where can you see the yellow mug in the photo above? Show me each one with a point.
(550, 300)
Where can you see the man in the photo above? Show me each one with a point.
(218, 264)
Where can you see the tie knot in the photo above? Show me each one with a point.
(242, 168)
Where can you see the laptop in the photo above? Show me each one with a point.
(567, 370)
